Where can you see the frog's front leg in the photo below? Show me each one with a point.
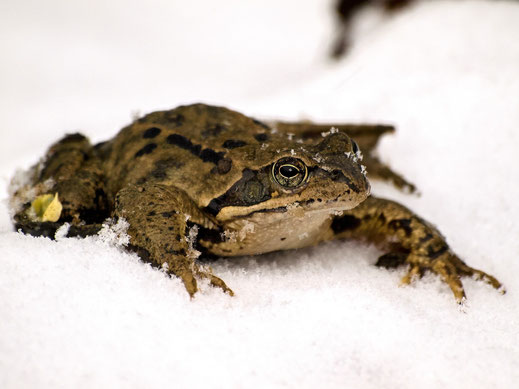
(163, 224)
(410, 240)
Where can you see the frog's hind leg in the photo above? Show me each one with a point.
(365, 135)
(71, 175)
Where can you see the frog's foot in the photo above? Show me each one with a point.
(410, 240)
(379, 170)
(450, 268)
(189, 277)
(466, 270)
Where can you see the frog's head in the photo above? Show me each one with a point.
(323, 177)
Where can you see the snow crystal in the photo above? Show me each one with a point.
(240, 235)
(62, 232)
(229, 236)
(248, 228)
(114, 232)
(333, 130)
(191, 240)
(318, 158)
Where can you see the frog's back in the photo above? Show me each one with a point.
(198, 148)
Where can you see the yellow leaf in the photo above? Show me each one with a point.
(47, 207)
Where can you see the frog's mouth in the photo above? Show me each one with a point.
(342, 202)
(318, 206)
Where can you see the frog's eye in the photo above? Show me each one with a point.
(289, 172)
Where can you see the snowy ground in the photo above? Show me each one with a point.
(83, 314)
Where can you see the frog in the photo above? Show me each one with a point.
(346, 12)
(200, 182)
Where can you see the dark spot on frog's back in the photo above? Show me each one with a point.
(181, 141)
(162, 166)
(261, 137)
(207, 155)
(223, 166)
(401, 224)
(232, 143)
(344, 223)
(146, 149)
(151, 132)
(213, 130)
(175, 119)
(433, 254)
(428, 236)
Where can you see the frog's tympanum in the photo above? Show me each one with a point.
(206, 180)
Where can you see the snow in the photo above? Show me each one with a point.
(85, 313)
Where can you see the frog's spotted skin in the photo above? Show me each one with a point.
(202, 179)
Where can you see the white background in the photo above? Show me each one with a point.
(82, 313)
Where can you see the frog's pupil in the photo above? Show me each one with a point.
(288, 171)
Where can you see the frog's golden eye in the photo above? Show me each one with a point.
(289, 172)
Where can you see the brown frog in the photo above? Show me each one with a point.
(206, 180)
(347, 10)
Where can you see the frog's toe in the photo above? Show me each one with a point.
(414, 272)
(448, 266)
(465, 270)
(481, 275)
(218, 282)
(189, 282)
(444, 267)
(214, 280)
